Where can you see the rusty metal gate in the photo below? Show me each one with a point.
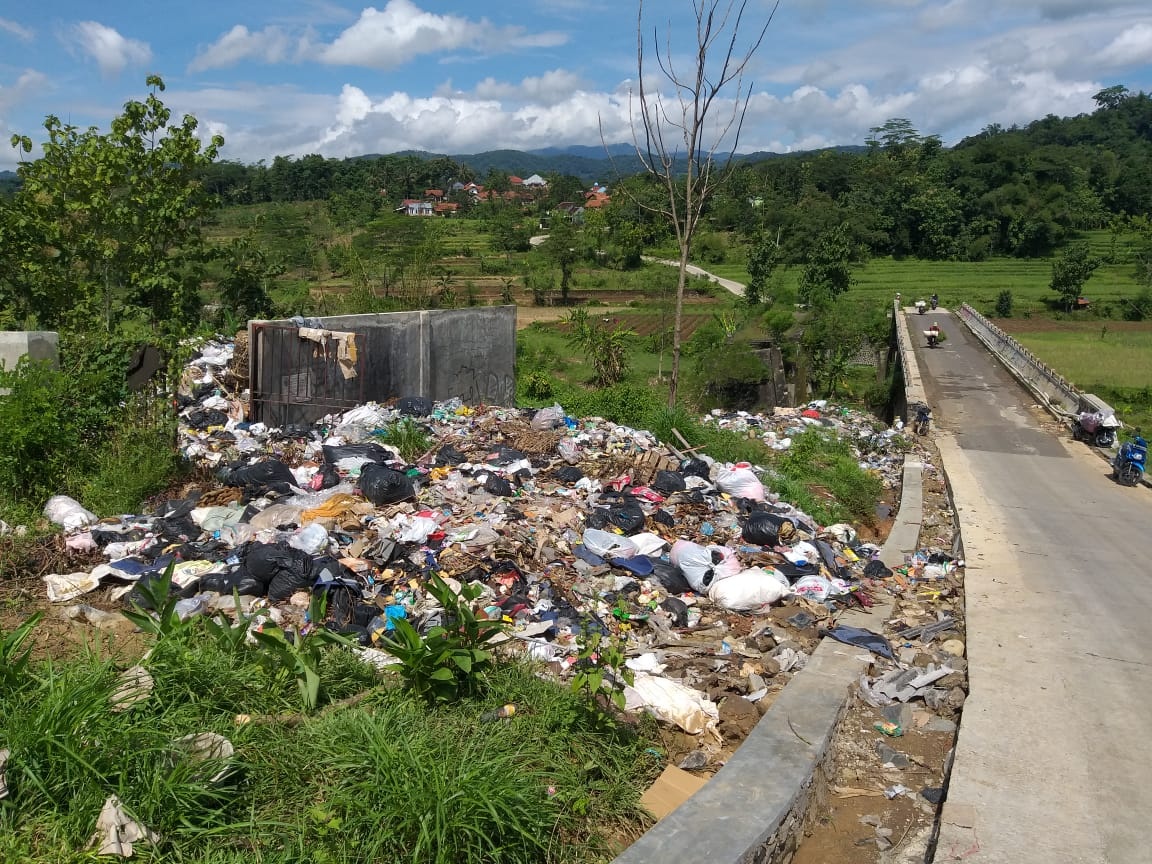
(299, 379)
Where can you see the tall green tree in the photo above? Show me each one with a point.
(827, 271)
(561, 248)
(109, 225)
(1071, 270)
(764, 256)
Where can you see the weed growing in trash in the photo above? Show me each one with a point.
(817, 461)
(157, 615)
(407, 436)
(600, 670)
(448, 661)
(301, 655)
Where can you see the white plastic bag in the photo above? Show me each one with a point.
(814, 588)
(740, 481)
(548, 418)
(313, 539)
(67, 513)
(608, 545)
(649, 544)
(689, 709)
(695, 562)
(753, 590)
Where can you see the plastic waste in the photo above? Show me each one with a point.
(496, 485)
(703, 565)
(671, 702)
(752, 590)
(740, 481)
(382, 485)
(608, 545)
(813, 587)
(415, 406)
(762, 528)
(261, 477)
(68, 513)
(313, 539)
(668, 482)
(862, 638)
(548, 418)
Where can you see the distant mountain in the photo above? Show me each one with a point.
(593, 151)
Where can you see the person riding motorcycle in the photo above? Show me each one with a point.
(934, 301)
(933, 334)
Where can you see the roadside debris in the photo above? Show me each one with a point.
(571, 526)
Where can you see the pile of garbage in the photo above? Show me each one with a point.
(878, 447)
(569, 525)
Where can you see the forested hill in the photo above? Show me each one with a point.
(1019, 191)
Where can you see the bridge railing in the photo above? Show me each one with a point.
(1041, 379)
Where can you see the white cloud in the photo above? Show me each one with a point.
(1133, 47)
(111, 51)
(30, 83)
(550, 88)
(17, 30)
(384, 39)
(270, 45)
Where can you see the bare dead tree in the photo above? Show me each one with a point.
(678, 135)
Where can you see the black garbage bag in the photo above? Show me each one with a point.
(295, 430)
(236, 580)
(371, 450)
(104, 536)
(669, 577)
(504, 456)
(449, 455)
(496, 485)
(663, 517)
(328, 475)
(629, 518)
(202, 418)
(260, 477)
(762, 528)
(382, 485)
(877, 569)
(677, 609)
(568, 474)
(414, 406)
(280, 568)
(668, 482)
(597, 517)
(695, 468)
(174, 529)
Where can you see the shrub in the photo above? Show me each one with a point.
(1139, 308)
(1004, 304)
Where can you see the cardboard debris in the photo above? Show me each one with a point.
(671, 789)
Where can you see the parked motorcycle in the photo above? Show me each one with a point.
(1095, 428)
(1129, 463)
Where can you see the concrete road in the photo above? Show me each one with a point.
(1053, 759)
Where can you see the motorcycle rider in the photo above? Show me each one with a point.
(935, 301)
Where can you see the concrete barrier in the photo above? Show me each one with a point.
(34, 344)
(468, 354)
(758, 807)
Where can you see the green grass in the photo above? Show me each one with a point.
(1094, 355)
(384, 779)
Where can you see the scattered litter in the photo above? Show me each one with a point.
(117, 832)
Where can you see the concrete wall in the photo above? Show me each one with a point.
(912, 391)
(1043, 381)
(36, 344)
(440, 354)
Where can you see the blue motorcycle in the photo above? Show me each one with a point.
(1128, 465)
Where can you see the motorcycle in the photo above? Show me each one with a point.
(1129, 463)
(1095, 428)
(934, 302)
(933, 337)
(921, 307)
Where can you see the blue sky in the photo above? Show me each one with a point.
(318, 76)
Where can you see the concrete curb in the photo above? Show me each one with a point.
(757, 807)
